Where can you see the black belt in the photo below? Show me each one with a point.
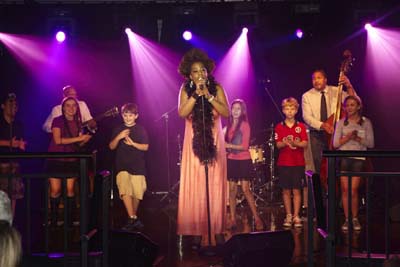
(315, 131)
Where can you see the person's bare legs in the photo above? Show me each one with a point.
(305, 196)
(232, 203)
(296, 202)
(252, 204)
(55, 187)
(287, 201)
(355, 183)
(128, 203)
(135, 205)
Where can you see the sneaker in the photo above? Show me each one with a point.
(297, 222)
(356, 224)
(133, 224)
(345, 225)
(288, 221)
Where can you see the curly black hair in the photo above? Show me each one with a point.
(192, 56)
(203, 140)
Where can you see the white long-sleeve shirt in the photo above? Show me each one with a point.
(56, 111)
(364, 131)
(311, 105)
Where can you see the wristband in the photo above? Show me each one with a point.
(211, 98)
(195, 95)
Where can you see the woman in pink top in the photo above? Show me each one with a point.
(67, 138)
(240, 168)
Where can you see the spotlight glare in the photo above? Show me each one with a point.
(299, 33)
(187, 35)
(368, 26)
(60, 36)
(245, 30)
(128, 31)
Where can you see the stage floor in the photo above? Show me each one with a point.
(159, 218)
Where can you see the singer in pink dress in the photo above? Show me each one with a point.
(203, 143)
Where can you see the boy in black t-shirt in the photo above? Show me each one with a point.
(130, 141)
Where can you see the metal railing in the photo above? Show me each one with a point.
(85, 234)
(316, 202)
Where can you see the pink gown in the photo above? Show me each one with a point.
(192, 206)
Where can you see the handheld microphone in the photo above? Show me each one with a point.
(201, 86)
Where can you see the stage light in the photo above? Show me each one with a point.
(187, 35)
(60, 36)
(368, 26)
(128, 31)
(299, 33)
(245, 30)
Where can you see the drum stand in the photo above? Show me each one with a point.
(258, 191)
(270, 185)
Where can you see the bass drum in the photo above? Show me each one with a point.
(257, 154)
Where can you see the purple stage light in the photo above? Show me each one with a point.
(368, 26)
(245, 30)
(60, 36)
(187, 35)
(128, 31)
(299, 33)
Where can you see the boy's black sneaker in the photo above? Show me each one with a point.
(132, 225)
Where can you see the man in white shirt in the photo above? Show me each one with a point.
(311, 108)
(70, 91)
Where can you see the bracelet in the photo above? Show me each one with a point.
(195, 95)
(211, 98)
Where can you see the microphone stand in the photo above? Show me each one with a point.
(165, 116)
(208, 250)
(271, 145)
(9, 185)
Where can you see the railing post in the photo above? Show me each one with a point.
(106, 181)
(64, 186)
(387, 230)
(310, 222)
(350, 220)
(83, 211)
(368, 219)
(46, 215)
(28, 215)
(330, 241)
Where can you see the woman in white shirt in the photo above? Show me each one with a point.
(354, 132)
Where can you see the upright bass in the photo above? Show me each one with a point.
(338, 113)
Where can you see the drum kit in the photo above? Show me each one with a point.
(263, 184)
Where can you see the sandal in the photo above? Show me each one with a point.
(287, 222)
(297, 222)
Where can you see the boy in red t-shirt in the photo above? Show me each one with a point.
(291, 139)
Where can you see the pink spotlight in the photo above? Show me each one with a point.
(299, 33)
(60, 36)
(128, 31)
(245, 30)
(187, 35)
(368, 26)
